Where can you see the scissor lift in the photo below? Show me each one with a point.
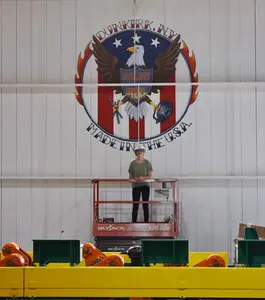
(114, 231)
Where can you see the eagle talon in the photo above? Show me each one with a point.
(163, 111)
(149, 101)
(115, 107)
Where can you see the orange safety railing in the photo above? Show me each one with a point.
(136, 229)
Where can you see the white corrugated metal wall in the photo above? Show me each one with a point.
(43, 131)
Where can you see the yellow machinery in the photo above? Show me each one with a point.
(94, 257)
(104, 282)
(206, 277)
(141, 282)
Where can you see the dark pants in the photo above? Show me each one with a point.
(136, 194)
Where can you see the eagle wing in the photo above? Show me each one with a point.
(106, 64)
(166, 64)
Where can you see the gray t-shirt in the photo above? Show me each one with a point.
(138, 169)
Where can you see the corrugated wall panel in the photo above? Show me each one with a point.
(260, 96)
(83, 13)
(54, 117)
(44, 133)
(235, 208)
(24, 123)
(38, 130)
(9, 120)
(69, 128)
(1, 234)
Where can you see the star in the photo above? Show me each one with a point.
(117, 43)
(155, 42)
(136, 38)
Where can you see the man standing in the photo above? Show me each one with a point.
(140, 170)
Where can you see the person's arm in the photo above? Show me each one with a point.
(150, 170)
(131, 179)
(142, 178)
(149, 176)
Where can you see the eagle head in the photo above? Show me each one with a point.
(137, 56)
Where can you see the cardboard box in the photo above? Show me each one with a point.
(260, 230)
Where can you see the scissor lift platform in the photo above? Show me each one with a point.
(151, 229)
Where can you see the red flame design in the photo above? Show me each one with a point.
(80, 71)
(191, 61)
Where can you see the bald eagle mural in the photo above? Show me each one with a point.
(139, 63)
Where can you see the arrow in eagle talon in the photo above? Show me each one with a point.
(115, 106)
(118, 116)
